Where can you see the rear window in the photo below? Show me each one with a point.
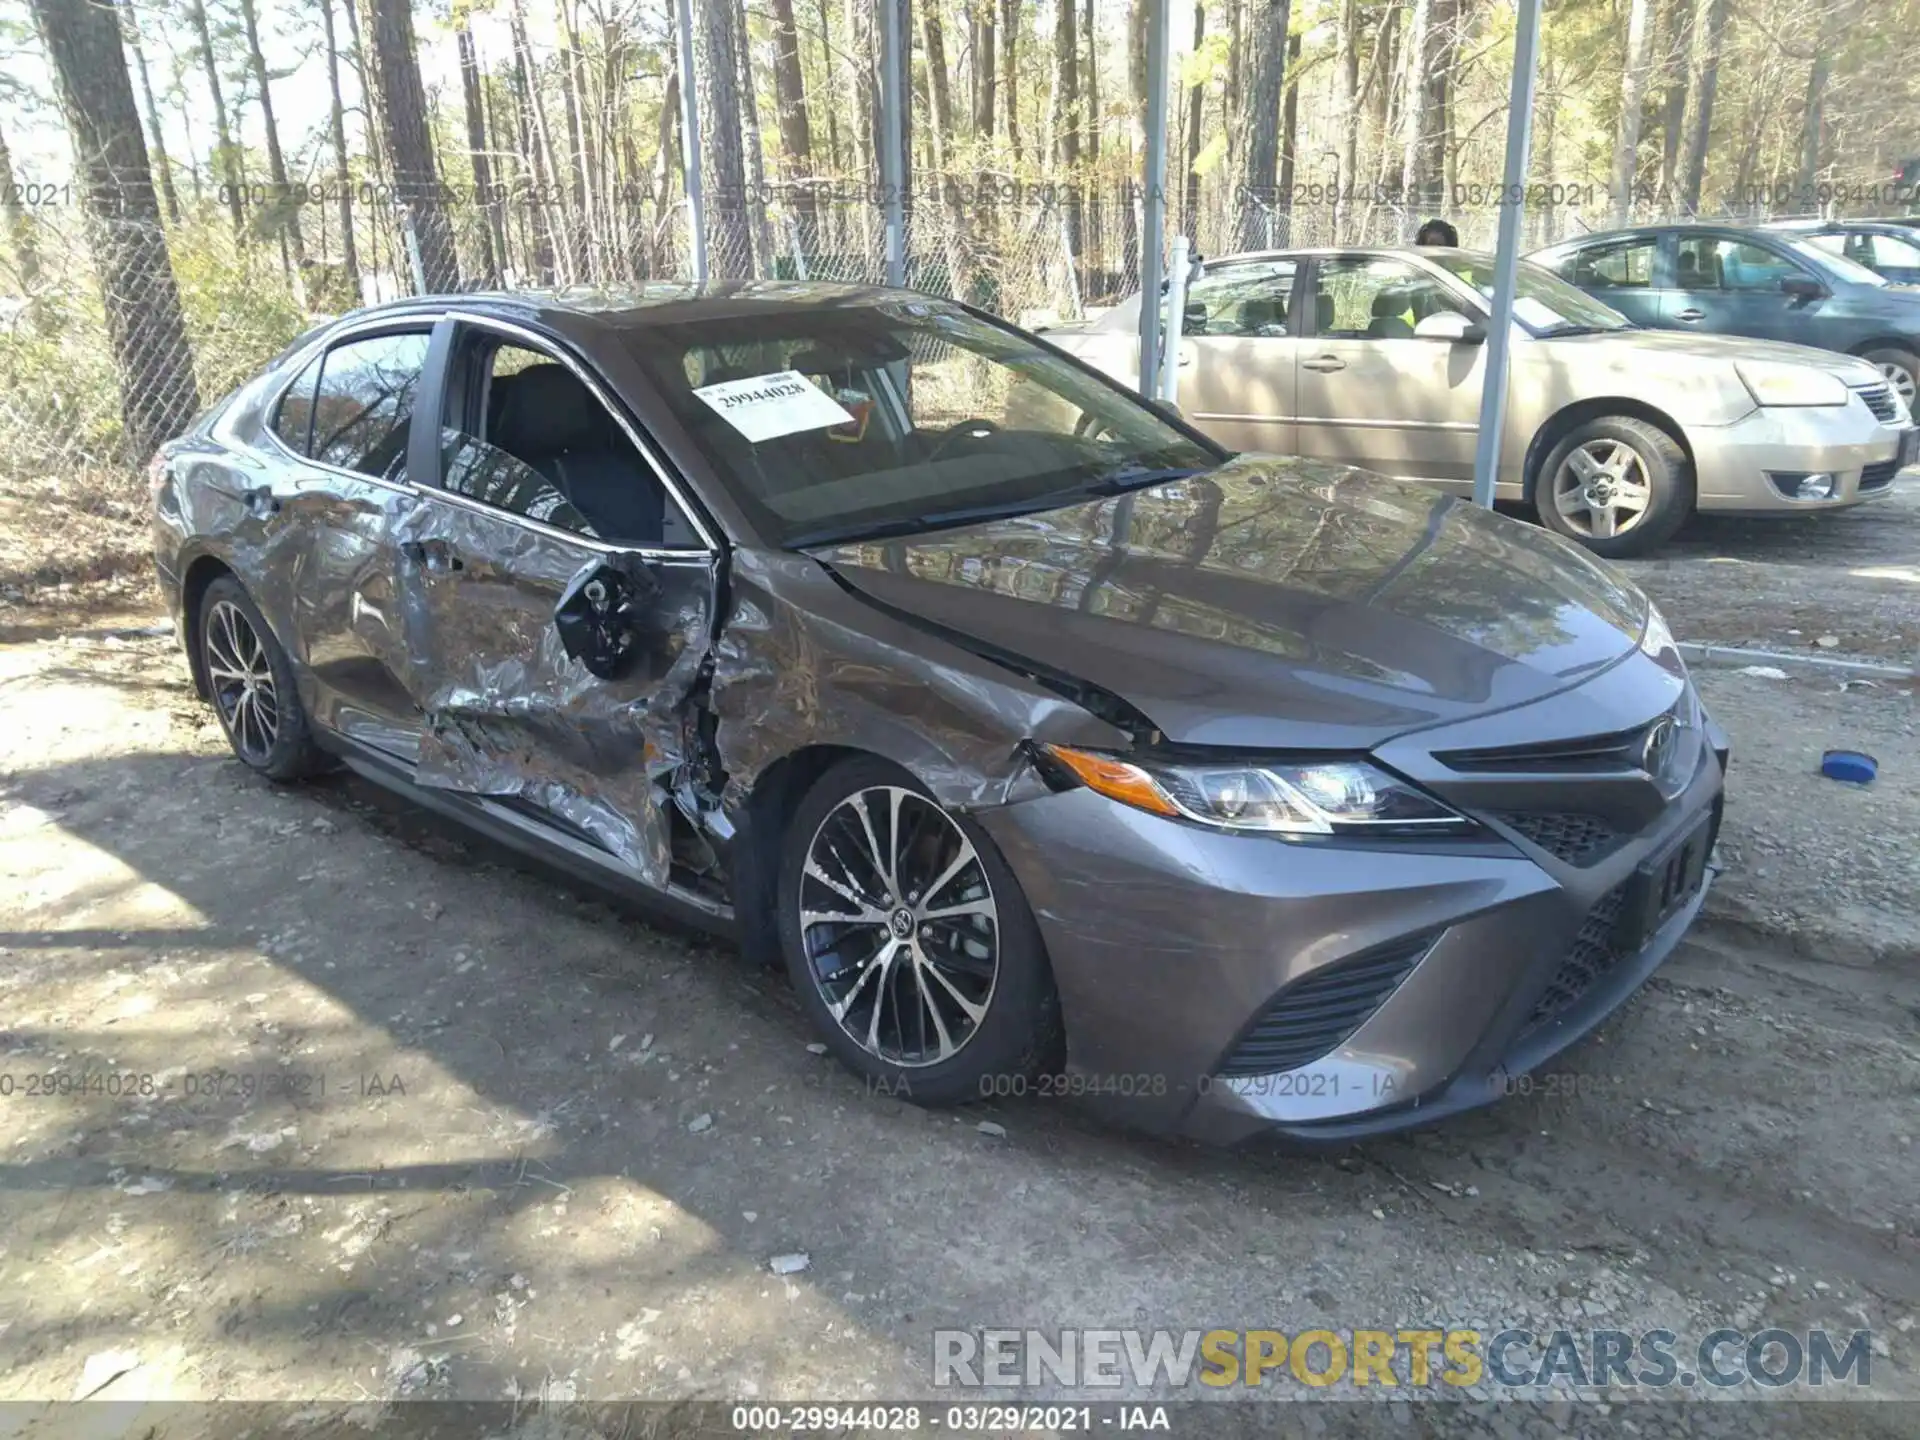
(293, 416)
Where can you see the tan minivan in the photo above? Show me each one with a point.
(1614, 434)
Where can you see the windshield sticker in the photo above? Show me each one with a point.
(765, 407)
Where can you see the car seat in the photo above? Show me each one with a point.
(1391, 307)
(552, 421)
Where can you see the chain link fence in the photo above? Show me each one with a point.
(114, 333)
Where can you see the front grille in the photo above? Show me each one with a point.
(1879, 399)
(1592, 955)
(1878, 476)
(1589, 754)
(1311, 1016)
(1572, 838)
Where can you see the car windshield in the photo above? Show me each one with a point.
(1837, 267)
(1543, 303)
(847, 421)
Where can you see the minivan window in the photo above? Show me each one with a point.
(1836, 267)
(364, 402)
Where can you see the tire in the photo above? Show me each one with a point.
(250, 682)
(957, 1055)
(1618, 448)
(1901, 368)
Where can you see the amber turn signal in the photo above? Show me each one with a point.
(1115, 779)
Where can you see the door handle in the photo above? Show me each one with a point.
(1690, 314)
(261, 500)
(1325, 364)
(433, 554)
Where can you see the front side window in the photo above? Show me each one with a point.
(1363, 299)
(1704, 263)
(530, 437)
(1892, 250)
(365, 401)
(1248, 299)
(834, 422)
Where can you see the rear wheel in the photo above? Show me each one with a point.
(250, 682)
(1902, 369)
(1619, 485)
(911, 946)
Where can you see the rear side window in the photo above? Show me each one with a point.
(1627, 265)
(293, 417)
(364, 401)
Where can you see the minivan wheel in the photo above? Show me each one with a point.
(911, 947)
(1902, 369)
(250, 682)
(1619, 485)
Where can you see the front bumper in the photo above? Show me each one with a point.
(1169, 940)
(1732, 462)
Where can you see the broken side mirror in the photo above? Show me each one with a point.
(607, 616)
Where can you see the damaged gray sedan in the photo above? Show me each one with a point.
(1050, 748)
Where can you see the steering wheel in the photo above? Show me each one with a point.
(978, 428)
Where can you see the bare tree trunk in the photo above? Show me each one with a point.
(1196, 114)
(754, 147)
(226, 159)
(1413, 90)
(156, 138)
(796, 131)
(1709, 27)
(337, 133)
(1066, 113)
(1094, 235)
(1675, 46)
(1436, 128)
(145, 327)
(1813, 128)
(1010, 70)
(403, 114)
(1290, 133)
(286, 207)
(537, 141)
(580, 217)
(1626, 148)
(730, 240)
(1259, 171)
(1137, 27)
(664, 157)
(985, 76)
(26, 251)
(492, 245)
(1346, 113)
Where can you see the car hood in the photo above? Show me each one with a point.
(1269, 603)
(1683, 349)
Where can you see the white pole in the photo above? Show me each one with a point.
(892, 133)
(690, 141)
(1154, 221)
(1176, 321)
(1493, 397)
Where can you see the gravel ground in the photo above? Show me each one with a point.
(558, 1149)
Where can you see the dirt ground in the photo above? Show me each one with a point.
(429, 1122)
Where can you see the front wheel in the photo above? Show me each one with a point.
(1901, 368)
(250, 681)
(911, 946)
(1618, 485)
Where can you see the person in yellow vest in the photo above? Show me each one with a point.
(1438, 232)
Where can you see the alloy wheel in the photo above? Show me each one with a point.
(1601, 489)
(241, 677)
(899, 926)
(1900, 378)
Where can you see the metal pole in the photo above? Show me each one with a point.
(1176, 321)
(690, 140)
(1153, 224)
(1493, 395)
(892, 170)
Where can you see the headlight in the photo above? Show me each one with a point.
(1772, 383)
(1312, 797)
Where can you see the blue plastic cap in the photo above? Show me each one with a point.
(1852, 766)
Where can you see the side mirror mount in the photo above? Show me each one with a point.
(1450, 325)
(605, 617)
(1802, 288)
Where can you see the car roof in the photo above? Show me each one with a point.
(1816, 227)
(657, 303)
(1648, 232)
(1401, 252)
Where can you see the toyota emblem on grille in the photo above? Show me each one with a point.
(1656, 747)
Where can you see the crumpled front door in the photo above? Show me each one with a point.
(508, 713)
